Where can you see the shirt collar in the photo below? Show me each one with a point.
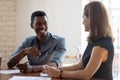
(48, 35)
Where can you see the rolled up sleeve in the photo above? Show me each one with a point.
(58, 54)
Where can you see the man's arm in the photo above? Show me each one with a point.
(58, 53)
(55, 59)
(17, 55)
(26, 68)
(41, 68)
(15, 59)
(52, 64)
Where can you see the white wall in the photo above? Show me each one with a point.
(64, 18)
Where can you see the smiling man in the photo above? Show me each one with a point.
(42, 49)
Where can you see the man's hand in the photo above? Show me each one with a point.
(33, 50)
(24, 68)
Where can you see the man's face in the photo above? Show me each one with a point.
(40, 26)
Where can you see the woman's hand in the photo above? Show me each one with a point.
(33, 50)
(53, 71)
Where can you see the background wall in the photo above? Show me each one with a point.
(7, 28)
(64, 17)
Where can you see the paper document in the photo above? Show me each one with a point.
(29, 78)
(9, 71)
(43, 74)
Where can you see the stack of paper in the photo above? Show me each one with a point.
(43, 74)
(29, 78)
(9, 71)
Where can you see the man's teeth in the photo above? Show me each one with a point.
(41, 30)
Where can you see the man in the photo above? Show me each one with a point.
(42, 49)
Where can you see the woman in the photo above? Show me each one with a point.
(96, 63)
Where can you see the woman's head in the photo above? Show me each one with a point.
(98, 21)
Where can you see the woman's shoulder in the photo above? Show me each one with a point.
(104, 42)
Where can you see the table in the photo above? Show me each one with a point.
(8, 76)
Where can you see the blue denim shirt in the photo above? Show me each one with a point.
(52, 49)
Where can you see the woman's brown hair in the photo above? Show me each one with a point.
(99, 21)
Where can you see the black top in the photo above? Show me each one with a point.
(105, 70)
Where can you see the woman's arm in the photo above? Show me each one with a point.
(98, 56)
(77, 66)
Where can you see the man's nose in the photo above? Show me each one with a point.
(41, 26)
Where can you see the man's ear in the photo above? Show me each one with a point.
(31, 25)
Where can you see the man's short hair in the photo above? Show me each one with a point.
(36, 14)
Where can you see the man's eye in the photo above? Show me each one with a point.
(38, 23)
(45, 23)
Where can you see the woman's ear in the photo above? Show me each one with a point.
(31, 25)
